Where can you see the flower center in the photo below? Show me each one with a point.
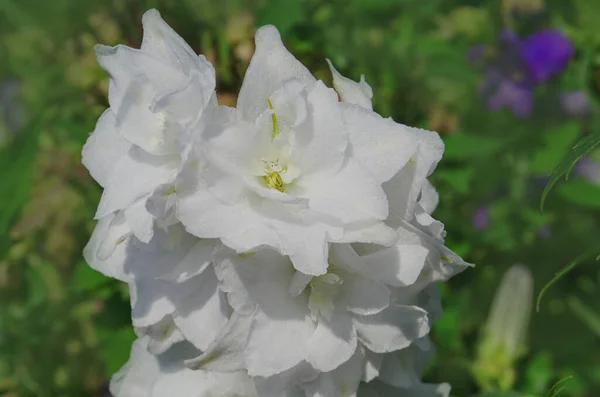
(272, 175)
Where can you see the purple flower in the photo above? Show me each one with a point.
(481, 218)
(507, 93)
(518, 66)
(546, 53)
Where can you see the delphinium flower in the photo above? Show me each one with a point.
(283, 247)
(514, 67)
(156, 94)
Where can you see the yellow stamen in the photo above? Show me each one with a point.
(274, 118)
(274, 180)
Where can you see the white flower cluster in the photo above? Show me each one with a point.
(281, 248)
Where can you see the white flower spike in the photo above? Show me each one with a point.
(283, 248)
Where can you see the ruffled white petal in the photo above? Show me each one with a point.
(350, 91)
(271, 64)
(394, 328)
(104, 148)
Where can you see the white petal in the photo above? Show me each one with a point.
(140, 221)
(114, 265)
(380, 389)
(372, 365)
(381, 145)
(135, 176)
(350, 91)
(299, 283)
(162, 42)
(117, 232)
(161, 201)
(104, 148)
(238, 148)
(283, 384)
(198, 259)
(153, 132)
(405, 367)
(429, 197)
(163, 335)
(186, 104)
(332, 344)
(350, 195)
(404, 188)
(342, 382)
(136, 377)
(269, 67)
(180, 382)
(202, 314)
(253, 279)
(281, 323)
(126, 65)
(394, 328)
(369, 232)
(277, 338)
(167, 253)
(226, 353)
(243, 229)
(151, 301)
(321, 140)
(399, 265)
(364, 296)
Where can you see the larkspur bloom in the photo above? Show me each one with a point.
(291, 167)
(284, 248)
(155, 94)
(513, 69)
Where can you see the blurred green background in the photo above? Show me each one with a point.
(444, 65)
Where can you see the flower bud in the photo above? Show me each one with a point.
(503, 339)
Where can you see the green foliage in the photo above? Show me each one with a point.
(583, 147)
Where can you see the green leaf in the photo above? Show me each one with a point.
(583, 147)
(586, 255)
(558, 386)
(557, 145)
(463, 146)
(582, 193)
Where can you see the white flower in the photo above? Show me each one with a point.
(174, 292)
(292, 168)
(320, 321)
(284, 248)
(147, 375)
(155, 95)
